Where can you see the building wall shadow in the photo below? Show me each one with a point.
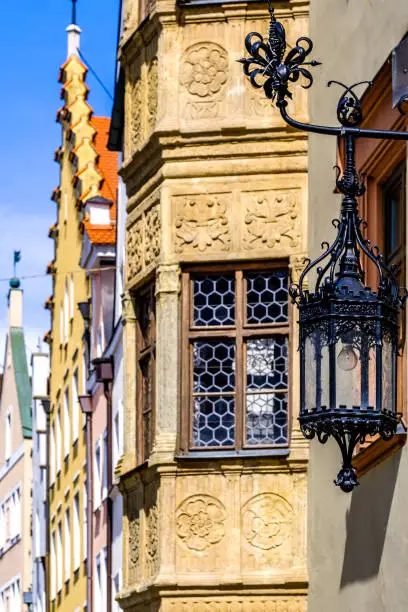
(367, 522)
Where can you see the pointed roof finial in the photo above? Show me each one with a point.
(15, 281)
(74, 14)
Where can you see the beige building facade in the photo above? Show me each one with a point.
(357, 558)
(214, 470)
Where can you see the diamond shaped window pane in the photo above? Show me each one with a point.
(267, 419)
(213, 421)
(214, 366)
(214, 300)
(267, 363)
(267, 297)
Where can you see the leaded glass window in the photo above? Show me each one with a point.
(235, 373)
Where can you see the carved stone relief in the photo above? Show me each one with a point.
(152, 235)
(266, 521)
(152, 540)
(136, 114)
(203, 75)
(297, 264)
(261, 106)
(152, 86)
(134, 251)
(271, 218)
(201, 224)
(143, 241)
(200, 522)
(134, 537)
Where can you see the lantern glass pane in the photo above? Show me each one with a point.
(372, 369)
(325, 378)
(316, 371)
(387, 374)
(310, 372)
(348, 373)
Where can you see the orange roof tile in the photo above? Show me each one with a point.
(101, 234)
(107, 163)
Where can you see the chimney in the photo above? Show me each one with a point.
(15, 304)
(74, 32)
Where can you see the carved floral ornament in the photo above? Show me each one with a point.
(203, 69)
(266, 521)
(271, 217)
(152, 539)
(200, 522)
(152, 89)
(134, 251)
(143, 241)
(134, 542)
(136, 113)
(202, 224)
(152, 235)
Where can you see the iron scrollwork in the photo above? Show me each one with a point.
(266, 66)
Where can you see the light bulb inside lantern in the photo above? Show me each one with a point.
(347, 359)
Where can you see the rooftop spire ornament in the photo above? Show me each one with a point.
(348, 332)
(74, 14)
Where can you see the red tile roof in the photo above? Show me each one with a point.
(101, 234)
(107, 163)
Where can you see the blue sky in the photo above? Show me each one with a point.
(33, 45)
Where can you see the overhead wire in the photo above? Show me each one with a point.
(62, 272)
(99, 80)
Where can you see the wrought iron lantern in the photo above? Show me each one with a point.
(348, 332)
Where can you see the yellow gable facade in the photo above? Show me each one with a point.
(79, 174)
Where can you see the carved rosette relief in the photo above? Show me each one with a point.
(271, 219)
(201, 224)
(152, 540)
(152, 88)
(143, 242)
(266, 521)
(200, 522)
(203, 75)
(134, 251)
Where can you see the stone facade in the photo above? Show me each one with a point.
(212, 175)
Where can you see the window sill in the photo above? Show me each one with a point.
(377, 452)
(216, 454)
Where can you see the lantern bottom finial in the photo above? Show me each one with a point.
(347, 479)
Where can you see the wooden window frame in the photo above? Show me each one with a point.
(145, 353)
(241, 331)
(378, 161)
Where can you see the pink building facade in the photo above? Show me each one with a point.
(104, 401)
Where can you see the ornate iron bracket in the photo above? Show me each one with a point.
(339, 294)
